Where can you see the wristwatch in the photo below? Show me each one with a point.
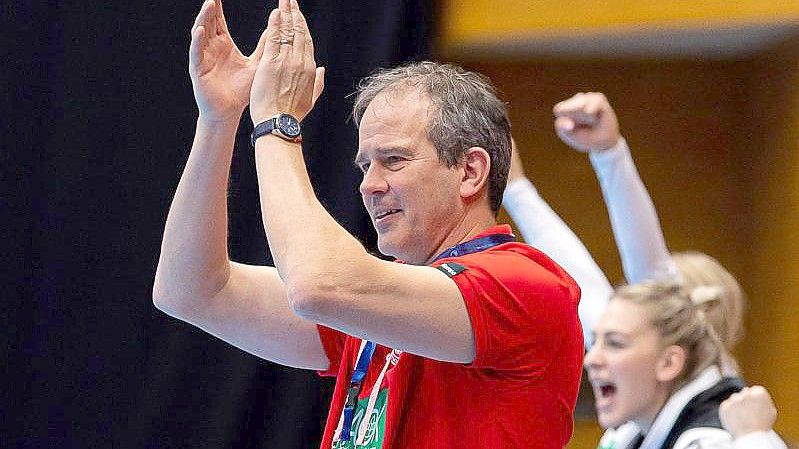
(285, 126)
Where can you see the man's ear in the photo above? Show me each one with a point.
(670, 364)
(475, 168)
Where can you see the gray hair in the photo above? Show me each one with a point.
(467, 112)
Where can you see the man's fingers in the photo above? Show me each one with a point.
(210, 21)
(285, 17)
(298, 32)
(286, 27)
(272, 33)
(221, 22)
(318, 83)
(203, 15)
(303, 42)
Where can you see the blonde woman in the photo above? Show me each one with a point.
(587, 123)
(655, 368)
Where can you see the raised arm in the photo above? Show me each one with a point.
(329, 276)
(587, 123)
(195, 281)
(542, 228)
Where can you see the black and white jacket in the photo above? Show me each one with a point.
(690, 420)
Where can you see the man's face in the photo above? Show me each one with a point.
(413, 199)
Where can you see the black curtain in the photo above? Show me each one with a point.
(106, 128)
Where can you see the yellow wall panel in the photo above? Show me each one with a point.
(771, 346)
(489, 20)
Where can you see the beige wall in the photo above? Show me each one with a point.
(717, 143)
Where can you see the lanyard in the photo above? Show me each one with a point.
(351, 401)
(368, 348)
(476, 245)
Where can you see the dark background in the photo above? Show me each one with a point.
(105, 117)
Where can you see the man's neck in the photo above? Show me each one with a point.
(464, 231)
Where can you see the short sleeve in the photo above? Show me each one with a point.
(523, 314)
(333, 343)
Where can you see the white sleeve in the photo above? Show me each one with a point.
(711, 438)
(642, 247)
(759, 440)
(542, 228)
(704, 438)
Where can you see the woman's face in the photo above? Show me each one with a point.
(623, 366)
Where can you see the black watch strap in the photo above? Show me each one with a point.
(262, 129)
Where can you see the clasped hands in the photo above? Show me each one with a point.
(280, 76)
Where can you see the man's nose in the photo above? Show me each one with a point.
(373, 181)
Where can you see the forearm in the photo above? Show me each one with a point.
(309, 248)
(635, 223)
(194, 259)
(542, 228)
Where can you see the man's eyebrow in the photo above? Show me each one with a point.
(395, 149)
(360, 158)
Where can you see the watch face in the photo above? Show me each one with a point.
(288, 125)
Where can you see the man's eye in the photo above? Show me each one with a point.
(364, 167)
(392, 160)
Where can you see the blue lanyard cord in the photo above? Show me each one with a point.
(476, 245)
(361, 367)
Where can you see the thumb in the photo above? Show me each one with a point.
(259, 49)
(564, 124)
(318, 83)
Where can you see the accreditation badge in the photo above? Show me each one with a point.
(376, 424)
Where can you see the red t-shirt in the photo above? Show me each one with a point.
(521, 388)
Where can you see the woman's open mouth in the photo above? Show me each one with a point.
(604, 394)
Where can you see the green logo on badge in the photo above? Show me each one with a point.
(375, 427)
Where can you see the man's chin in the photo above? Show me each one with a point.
(386, 247)
(392, 247)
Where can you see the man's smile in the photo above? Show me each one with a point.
(381, 214)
